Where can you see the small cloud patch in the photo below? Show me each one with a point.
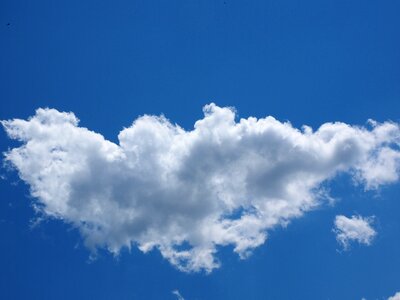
(178, 295)
(354, 229)
(395, 297)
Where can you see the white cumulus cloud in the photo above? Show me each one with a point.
(354, 229)
(188, 192)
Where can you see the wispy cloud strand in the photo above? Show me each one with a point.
(178, 295)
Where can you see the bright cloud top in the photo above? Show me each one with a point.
(187, 192)
(354, 229)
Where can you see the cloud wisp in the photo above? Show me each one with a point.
(178, 295)
(186, 193)
(354, 229)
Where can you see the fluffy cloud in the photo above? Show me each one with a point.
(186, 193)
(354, 229)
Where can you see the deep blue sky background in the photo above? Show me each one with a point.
(304, 61)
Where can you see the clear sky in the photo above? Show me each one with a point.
(307, 62)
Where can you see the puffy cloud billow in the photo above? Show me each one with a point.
(186, 193)
(354, 229)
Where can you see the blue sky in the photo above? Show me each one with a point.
(307, 62)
